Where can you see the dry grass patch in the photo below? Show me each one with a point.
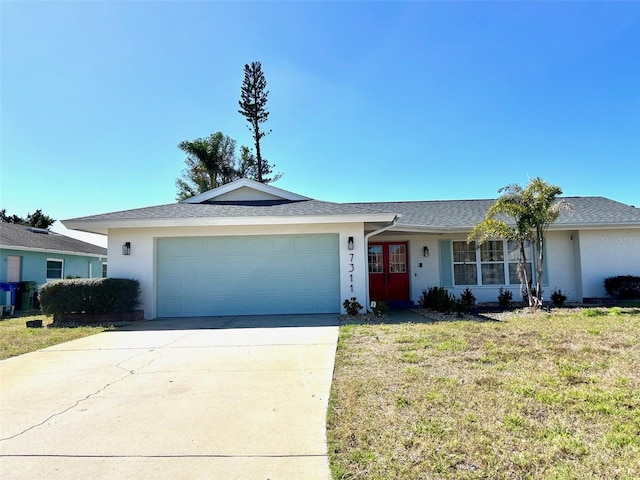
(540, 396)
(16, 338)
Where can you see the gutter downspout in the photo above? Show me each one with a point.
(366, 258)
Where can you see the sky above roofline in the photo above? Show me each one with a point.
(369, 101)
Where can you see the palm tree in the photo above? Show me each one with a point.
(210, 163)
(532, 210)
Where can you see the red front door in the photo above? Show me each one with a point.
(388, 271)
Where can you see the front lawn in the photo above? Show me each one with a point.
(16, 338)
(545, 396)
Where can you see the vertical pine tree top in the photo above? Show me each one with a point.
(253, 101)
(253, 95)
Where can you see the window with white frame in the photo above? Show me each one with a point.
(55, 268)
(513, 256)
(495, 262)
(465, 263)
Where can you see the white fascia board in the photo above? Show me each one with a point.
(49, 250)
(587, 226)
(463, 229)
(415, 228)
(102, 226)
(244, 182)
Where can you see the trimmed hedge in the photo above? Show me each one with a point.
(623, 287)
(89, 295)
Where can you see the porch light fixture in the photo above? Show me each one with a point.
(350, 243)
(425, 251)
(126, 248)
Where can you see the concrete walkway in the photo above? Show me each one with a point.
(232, 398)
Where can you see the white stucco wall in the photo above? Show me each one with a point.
(577, 262)
(562, 270)
(562, 267)
(141, 263)
(607, 253)
(424, 272)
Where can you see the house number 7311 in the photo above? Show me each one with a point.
(351, 269)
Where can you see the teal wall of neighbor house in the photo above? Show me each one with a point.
(33, 265)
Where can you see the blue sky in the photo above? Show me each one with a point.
(369, 101)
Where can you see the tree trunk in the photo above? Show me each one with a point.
(522, 266)
(258, 154)
(540, 268)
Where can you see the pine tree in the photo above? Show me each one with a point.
(253, 102)
(36, 219)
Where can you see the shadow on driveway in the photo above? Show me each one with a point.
(248, 321)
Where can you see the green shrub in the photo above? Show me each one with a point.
(463, 305)
(468, 298)
(352, 306)
(380, 309)
(95, 295)
(623, 287)
(558, 298)
(438, 299)
(504, 297)
(460, 307)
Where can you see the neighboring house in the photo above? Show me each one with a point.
(248, 248)
(38, 255)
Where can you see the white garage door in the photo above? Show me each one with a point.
(202, 276)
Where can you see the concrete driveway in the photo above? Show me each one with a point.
(214, 398)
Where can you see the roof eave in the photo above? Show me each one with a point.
(462, 229)
(594, 226)
(102, 226)
(51, 250)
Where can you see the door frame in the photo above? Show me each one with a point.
(385, 253)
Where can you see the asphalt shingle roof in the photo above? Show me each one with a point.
(236, 209)
(457, 214)
(23, 236)
(436, 214)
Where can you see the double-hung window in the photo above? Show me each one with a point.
(492, 262)
(55, 268)
(465, 263)
(513, 254)
(495, 262)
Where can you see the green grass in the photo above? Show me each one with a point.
(16, 338)
(533, 397)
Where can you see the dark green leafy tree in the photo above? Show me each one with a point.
(253, 106)
(210, 163)
(36, 219)
(529, 212)
(247, 167)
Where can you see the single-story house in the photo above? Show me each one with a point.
(29, 254)
(249, 248)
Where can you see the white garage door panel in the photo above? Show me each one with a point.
(248, 275)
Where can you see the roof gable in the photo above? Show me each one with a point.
(245, 190)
